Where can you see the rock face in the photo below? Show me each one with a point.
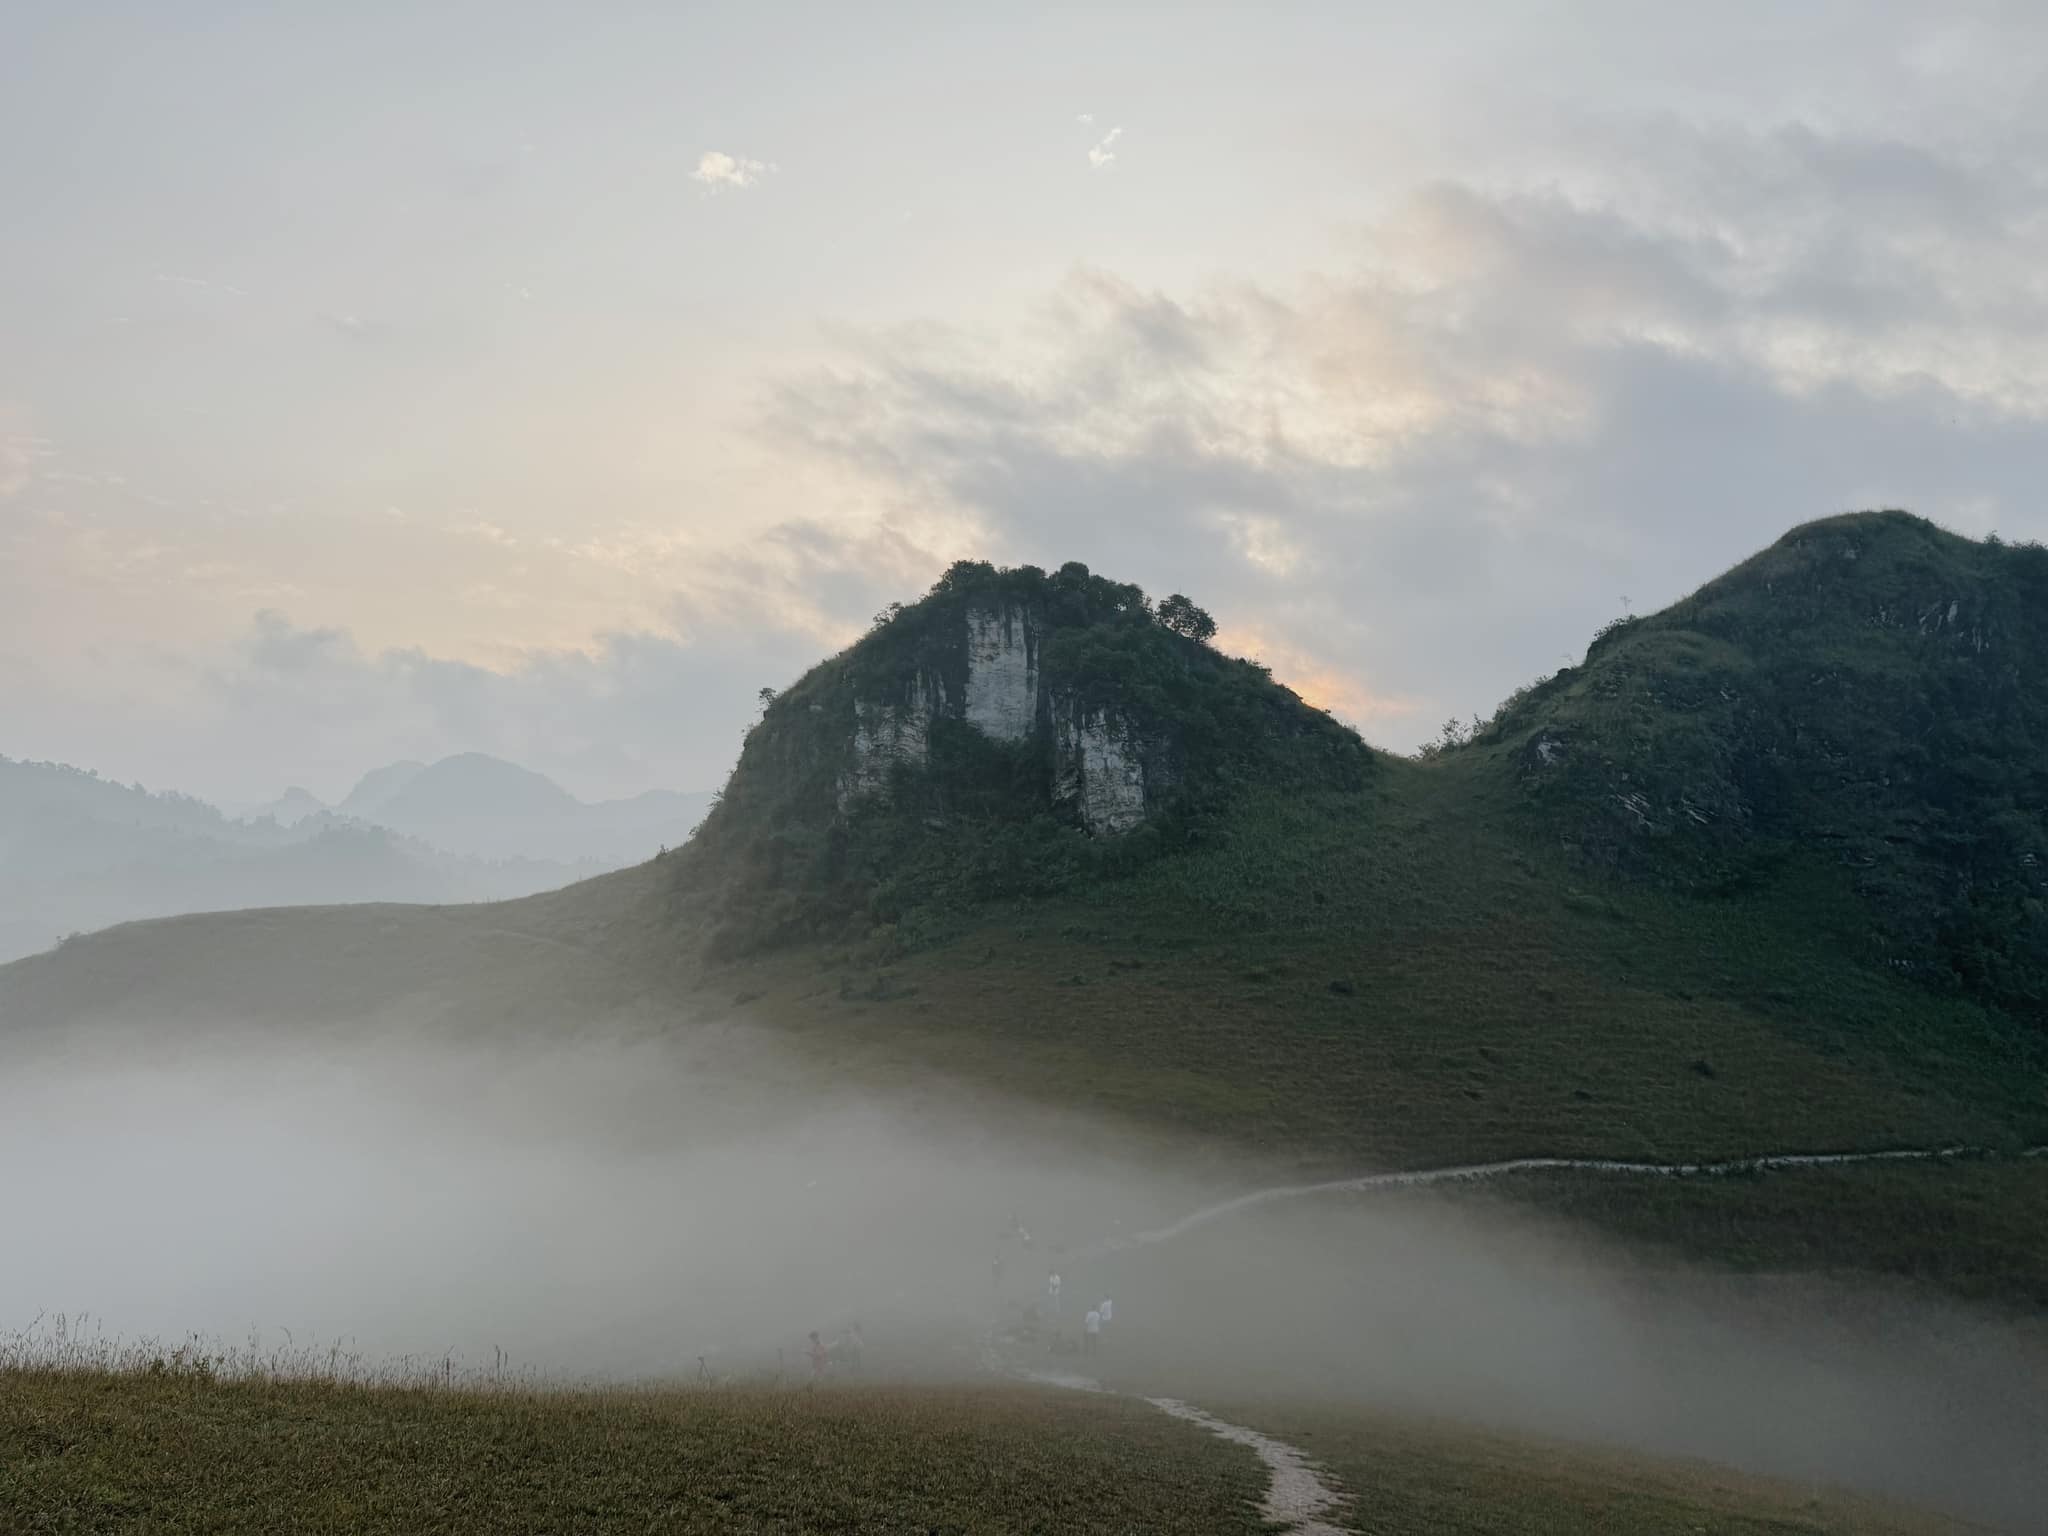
(889, 735)
(1002, 672)
(1099, 766)
(1098, 761)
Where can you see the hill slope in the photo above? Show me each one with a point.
(1867, 693)
(1259, 931)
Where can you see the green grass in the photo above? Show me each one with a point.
(105, 1453)
(1384, 980)
(1968, 1228)
(1418, 1478)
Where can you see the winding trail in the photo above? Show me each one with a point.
(1469, 1172)
(1297, 1499)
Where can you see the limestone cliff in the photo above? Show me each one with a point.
(1013, 731)
(1097, 765)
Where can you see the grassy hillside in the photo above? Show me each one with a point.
(1716, 891)
(1865, 695)
(96, 1453)
(1418, 1478)
(1389, 978)
(101, 1453)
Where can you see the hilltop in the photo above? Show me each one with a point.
(1867, 695)
(1014, 734)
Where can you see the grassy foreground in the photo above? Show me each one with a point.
(106, 1452)
(1412, 1478)
(95, 1452)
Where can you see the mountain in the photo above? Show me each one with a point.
(1011, 735)
(78, 852)
(376, 789)
(482, 807)
(290, 808)
(1865, 695)
(1761, 872)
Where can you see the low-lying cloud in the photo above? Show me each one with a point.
(623, 1207)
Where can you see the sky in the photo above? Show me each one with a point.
(384, 381)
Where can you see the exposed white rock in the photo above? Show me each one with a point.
(1002, 672)
(885, 735)
(1099, 765)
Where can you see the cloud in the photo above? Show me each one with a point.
(177, 281)
(283, 702)
(1423, 480)
(1101, 155)
(718, 170)
(1086, 119)
(20, 451)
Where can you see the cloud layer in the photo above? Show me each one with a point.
(1414, 483)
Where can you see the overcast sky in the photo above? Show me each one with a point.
(385, 380)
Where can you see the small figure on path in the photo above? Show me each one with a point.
(1106, 1310)
(1052, 1290)
(1091, 1332)
(820, 1355)
(852, 1347)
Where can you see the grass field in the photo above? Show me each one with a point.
(97, 1453)
(1419, 1478)
(1968, 1228)
(1393, 981)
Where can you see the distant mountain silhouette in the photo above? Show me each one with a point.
(375, 789)
(483, 807)
(79, 852)
(291, 807)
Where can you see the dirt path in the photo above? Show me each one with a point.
(1473, 1171)
(1296, 1498)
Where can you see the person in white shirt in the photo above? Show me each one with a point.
(1052, 1290)
(1106, 1310)
(1091, 1332)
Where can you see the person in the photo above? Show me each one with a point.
(820, 1355)
(1091, 1332)
(1052, 1290)
(852, 1346)
(1107, 1311)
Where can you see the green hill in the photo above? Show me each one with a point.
(1766, 871)
(1865, 695)
(1013, 735)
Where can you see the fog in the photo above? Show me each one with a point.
(620, 1208)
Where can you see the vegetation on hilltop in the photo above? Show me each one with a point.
(780, 861)
(1867, 694)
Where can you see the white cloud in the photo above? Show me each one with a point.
(20, 450)
(718, 170)
(1086, 119)
(176, 280)
(1423, 480)
(1101, 154)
